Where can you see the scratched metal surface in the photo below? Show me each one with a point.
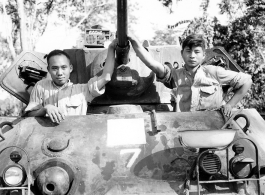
(121, 169)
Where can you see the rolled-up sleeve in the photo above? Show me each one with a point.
(240, 79)
(168, 80)
(92, 89)
(232, 78)
(36, 100)
(167, 75)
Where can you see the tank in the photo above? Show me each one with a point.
(131, 141)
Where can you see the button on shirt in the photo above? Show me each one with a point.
(70, 98)
(204, 91)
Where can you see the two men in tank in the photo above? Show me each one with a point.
(194, 86)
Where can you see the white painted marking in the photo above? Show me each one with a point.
(125, 132)
(136, 152)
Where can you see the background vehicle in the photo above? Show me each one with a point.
(131, 141)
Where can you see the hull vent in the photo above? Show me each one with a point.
(210, 163)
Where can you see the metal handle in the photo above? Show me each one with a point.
(3, 124)
(231, 118)
(244, 129)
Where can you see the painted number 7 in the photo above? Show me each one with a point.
(136, 152)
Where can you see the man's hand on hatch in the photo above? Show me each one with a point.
(55, 114)
(227, 110)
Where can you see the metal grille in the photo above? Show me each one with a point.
(210, 163)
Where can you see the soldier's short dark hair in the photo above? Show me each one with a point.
(56, 52)
(194, 40)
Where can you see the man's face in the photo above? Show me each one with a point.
(193, 56)
(60, 69)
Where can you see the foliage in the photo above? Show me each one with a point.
(164, 37)
(86, 12)
(170, 4)
(5, 56)
(203, 26)
(198, 25)
(36, 16)
(8, 111)
(38, 13)
(166, 3)
(243, 38)
(233, 8)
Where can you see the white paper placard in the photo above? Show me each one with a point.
(125, 132)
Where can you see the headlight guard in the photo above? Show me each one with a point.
(14, 175)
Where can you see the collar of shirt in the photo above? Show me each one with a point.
(69, 83)
(188, 72)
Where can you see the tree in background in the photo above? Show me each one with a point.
(244, 39)
(30, 18)
(203, 26)
(164, 37)
(169, 36)
(25, 21)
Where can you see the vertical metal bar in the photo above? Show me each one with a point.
(227, 164)
(28, 175)
(198, 180)
(257, 165)
(123, 48)
(122, 24)
(198, 173)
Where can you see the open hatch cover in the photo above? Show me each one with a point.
(28, 68)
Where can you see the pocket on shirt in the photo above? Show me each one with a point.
(209, 89)
(74, 103)
(210, 97)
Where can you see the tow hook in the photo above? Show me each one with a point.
(2, 125)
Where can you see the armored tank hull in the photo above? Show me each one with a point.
(137, 153)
